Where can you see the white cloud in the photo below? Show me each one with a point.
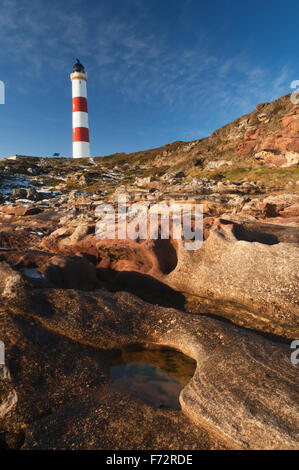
(124, 48)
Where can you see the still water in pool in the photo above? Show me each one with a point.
(154, 374)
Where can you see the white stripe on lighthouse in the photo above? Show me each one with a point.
(81, 150)
(79, 88)
(80, 119)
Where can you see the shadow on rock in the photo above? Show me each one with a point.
(144, 286)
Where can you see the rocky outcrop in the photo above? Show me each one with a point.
(283, 205)
(276, 160)
(11, 282)
(284, 141)
(214, 164)
(21, 210)
(243, 393)
(254, 284)
(226, 276)
(275, 148)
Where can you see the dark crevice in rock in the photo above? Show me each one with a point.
(197, 307)
(253, 236)
(166, 255)
(143, 286)
(285, 234)
(155, 292)
(12, 440)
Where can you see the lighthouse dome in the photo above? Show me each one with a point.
(78, 67)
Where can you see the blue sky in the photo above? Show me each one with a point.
(159, 70)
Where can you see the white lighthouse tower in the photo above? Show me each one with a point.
(80, 113)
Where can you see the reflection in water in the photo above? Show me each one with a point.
(154, 374)
(32, 273)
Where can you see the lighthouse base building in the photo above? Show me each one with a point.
(80, 113)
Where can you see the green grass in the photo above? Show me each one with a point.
(278, 107)
(51, 181)
(263, 175)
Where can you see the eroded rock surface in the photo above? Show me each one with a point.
(255, 284)
(244, 392)
(62, 303)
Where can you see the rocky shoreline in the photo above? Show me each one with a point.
(68, 296)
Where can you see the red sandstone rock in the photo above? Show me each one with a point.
(21, 210)
(279, 147)
(291, 211)
(249, 141)
(285, 139)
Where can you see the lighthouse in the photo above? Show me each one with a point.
(80, 113)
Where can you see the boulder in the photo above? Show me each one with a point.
(215, 164)
(11, 282)
(21, 210)
(80, 232)
(291, 211)
(19, 193)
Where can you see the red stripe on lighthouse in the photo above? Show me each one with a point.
(79, 104)
(80, 134)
